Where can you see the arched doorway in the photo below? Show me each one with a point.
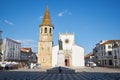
(67, 62)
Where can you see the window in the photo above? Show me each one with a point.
(109, 46)
(109, 53)
(41, 30)
(50, 30)
(45, 30)
(110, 62)
(66, 41)
(104, 47)
(115, 52)
(105, 61)
(102, 53)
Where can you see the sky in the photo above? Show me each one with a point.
(90, 20)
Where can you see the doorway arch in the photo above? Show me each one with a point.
(67, 62)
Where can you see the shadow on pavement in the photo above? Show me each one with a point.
(60, 70)
(54, 74)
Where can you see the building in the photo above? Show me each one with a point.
(67, 53)
(103, 53)
(11, 50)
(27, 57)
(116, 54)
(64, 54)
(45, 43)
(89, 58)
(98, 53)
(1, 41)
(25, 53)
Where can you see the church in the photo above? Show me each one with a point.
(66, 53)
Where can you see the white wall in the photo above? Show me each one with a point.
(70, 37)
(54, 55)
(77, 56)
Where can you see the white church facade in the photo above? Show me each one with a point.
(66, 53)
(69, 54)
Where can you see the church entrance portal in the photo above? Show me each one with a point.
(67, 62)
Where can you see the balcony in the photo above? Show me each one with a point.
(109, 56)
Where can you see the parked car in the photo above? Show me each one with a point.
(91, 64)
(8, 65)
(37, 66)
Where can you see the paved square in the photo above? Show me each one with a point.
(67, 74)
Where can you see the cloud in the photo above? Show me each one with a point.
(29, 43)
(60, 14)
(8, 22)
(41, 17)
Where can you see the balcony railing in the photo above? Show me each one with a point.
(109, 56)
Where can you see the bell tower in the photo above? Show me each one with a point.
(45, 41)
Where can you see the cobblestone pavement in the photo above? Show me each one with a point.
(79, 74)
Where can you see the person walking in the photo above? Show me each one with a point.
(60, 69)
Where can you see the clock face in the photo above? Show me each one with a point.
(66, 40)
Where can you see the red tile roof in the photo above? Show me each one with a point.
(26, 50)
(88, 55)
(110, 42)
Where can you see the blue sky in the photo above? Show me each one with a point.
(90, 20)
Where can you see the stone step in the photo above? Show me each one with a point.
(60, 70)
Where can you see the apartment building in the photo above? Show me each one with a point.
(11, 50)
(103, 53)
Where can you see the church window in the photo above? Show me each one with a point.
(66, 41)
(41, 30)
(50, 30)
(45, 30)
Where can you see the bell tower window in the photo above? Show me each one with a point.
(50, 30)
(41, 30)
(45, 30)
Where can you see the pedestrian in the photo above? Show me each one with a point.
(60, 69)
